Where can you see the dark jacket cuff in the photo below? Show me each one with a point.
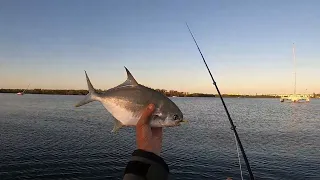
(151, 156)
(146, 165)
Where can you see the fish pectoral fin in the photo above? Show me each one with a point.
(157, 112)
(117, 125)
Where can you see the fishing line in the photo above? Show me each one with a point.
(238, 157)
(233, 127)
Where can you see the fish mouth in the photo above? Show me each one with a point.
(182, 121)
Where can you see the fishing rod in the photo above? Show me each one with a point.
(233, 127)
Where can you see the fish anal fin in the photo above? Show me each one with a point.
(117, 126)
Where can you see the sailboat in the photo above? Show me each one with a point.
(22, 93)
(295, 97)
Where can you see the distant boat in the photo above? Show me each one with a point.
(22, 93)
(294, 97)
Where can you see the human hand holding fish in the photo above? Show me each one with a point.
(148, 139)
(145, 161)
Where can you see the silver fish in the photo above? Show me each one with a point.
(127, 101)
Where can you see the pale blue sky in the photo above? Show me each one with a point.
(247, 44)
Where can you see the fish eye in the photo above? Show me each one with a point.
(175, 117)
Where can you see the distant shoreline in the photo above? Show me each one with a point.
(170, 93)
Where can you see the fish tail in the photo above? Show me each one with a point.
(91, 96)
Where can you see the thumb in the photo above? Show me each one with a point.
(145, 117)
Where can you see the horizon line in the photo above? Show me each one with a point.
(235, 94)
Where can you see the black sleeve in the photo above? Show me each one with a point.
(146, 165)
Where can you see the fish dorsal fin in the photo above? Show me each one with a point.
(130, 79)
(130, 82)
(117, 125)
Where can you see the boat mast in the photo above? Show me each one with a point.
(295, 73)
(25, 89)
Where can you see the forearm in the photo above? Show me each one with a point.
(145, 165)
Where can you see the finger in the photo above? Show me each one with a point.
(145, 117)
(143, 129)
(157, 135)
(157, 132)
(157, 140)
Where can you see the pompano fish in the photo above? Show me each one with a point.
(127, 101)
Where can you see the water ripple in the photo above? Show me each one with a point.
(45, 137)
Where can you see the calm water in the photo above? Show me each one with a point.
(43, 136)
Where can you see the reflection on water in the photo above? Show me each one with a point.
(44, 136)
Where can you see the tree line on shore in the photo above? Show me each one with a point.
(170, 93)
(84, 92)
